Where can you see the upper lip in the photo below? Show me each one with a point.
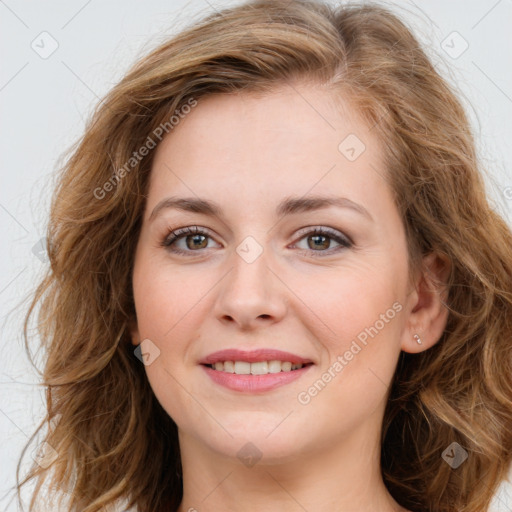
(253, 356)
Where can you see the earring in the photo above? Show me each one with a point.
(417, 338)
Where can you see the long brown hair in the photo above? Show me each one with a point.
(112, 440)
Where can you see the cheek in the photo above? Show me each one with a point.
(164, 300)
(340, 304)
(360, 310)
(157, 307)
(166, 314)
(165, 317)
(353, 382)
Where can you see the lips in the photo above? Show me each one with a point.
(254, 371)
(253, 356)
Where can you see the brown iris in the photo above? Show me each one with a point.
(315, 245)
(196, 239)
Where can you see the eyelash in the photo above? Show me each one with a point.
(344, 241)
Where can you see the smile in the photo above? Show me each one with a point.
(258, 368)
(254, 371)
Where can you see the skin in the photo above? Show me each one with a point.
(247, 153)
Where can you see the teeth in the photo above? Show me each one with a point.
(242, 368)
(259, 368)
(286, 366)
(274, 366)
(229, 366)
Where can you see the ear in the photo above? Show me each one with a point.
(427, 314)
(134, 331)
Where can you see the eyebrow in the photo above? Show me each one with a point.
(288, 206)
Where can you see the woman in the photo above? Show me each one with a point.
(276, 282)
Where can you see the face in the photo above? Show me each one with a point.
(272, 271)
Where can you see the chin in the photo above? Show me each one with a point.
(267, 440)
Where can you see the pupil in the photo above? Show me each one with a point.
(317, 237)
(195, 239)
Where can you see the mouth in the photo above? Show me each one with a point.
(256, 368)
(255, 371)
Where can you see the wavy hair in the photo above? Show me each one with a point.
(110, 439)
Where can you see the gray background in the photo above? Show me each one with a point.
(45, 99)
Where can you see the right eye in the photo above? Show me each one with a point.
(194, 238)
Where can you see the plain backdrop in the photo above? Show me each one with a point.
(60, 57)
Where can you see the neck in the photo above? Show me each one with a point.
(341, 478)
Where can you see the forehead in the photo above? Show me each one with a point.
(295, 139)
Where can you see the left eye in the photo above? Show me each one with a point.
(318, 238)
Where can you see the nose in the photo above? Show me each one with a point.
(251, 295)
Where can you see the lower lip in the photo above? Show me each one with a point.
(254, 383)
